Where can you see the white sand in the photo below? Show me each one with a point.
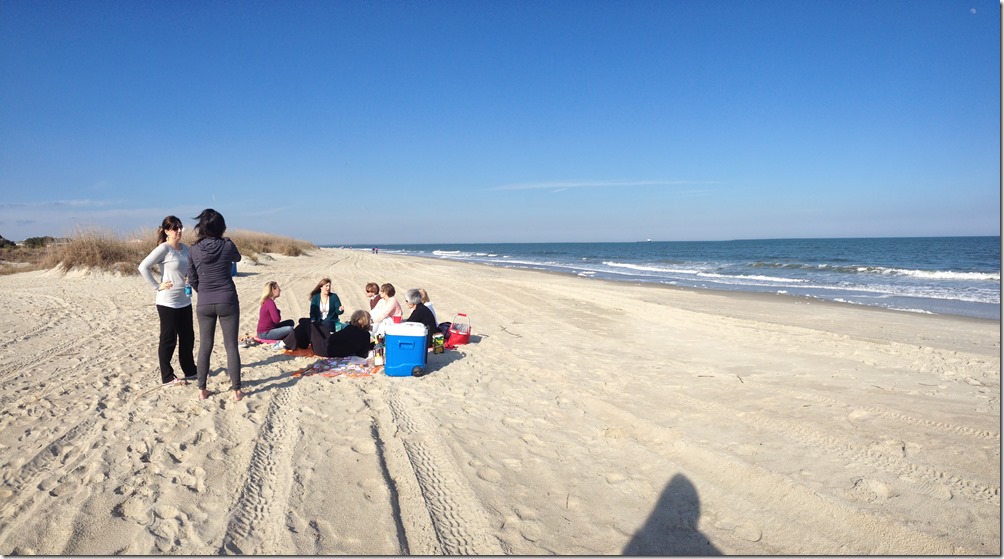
(585, 417)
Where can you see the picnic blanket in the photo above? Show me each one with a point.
(351, 367)
(306, 352)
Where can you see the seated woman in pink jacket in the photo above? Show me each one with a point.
(270, 323)
(386, 308)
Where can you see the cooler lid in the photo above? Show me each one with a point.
(406, 329)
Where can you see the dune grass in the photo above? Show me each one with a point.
(103, 250)
(253, 244)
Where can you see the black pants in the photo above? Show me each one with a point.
(176, 330)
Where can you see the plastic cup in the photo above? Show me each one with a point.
(397, 319)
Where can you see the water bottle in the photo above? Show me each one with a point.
(188, 290)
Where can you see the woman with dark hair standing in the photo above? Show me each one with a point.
(209, 269)
(174, 305)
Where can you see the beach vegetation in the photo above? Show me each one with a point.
(103, 250)
(255, 245)
(38, 242)
(18, 258)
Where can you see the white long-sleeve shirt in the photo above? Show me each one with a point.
(173, 266)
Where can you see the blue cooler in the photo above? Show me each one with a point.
(405, 348)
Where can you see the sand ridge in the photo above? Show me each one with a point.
(585, 417)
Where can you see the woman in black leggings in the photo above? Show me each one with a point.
(210, 261)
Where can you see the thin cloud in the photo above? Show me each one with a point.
(57, 204)
(60, 217)
(559, 186)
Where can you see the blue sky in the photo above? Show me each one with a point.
(378, 122)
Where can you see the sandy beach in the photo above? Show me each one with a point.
(585, 417)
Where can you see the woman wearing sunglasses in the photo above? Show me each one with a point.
(174, 301)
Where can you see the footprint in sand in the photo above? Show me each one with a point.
(134, 508)
(526, 513)
(489, 475)
(47, 484)
(530, 438)
(613, 433)
(871, 490)
(168, 512)
(531, 531)
(193, 479)
(889, 447)
(364, 447)
(512, 421)
(745, 530)
(747, 450)
(513, 464)
(615, 478)
(378, 494)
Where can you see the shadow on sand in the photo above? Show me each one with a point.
(671, 528)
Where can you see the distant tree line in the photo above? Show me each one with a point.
(38, 242)
(30, 242)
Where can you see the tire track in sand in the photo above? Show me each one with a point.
(458, 523)
(257, 524)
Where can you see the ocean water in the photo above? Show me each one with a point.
(943, 275)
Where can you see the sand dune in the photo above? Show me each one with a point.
(585, 417)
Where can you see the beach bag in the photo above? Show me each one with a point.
(460, 332)
(319, 339)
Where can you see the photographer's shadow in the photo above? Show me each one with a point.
(671, 528)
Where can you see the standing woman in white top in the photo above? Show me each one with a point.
(173, 303)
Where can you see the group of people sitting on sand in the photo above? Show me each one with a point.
(207, 269)
(354, 337)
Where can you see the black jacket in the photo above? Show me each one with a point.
(351, 340)
(423, 315)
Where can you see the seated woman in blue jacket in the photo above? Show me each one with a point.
(325, 306)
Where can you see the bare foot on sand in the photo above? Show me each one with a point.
(238, 395)
(203, 394)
